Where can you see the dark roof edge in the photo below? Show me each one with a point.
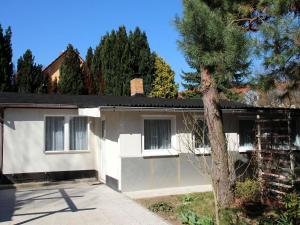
(40, 106)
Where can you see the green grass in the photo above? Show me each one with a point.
(200, 203)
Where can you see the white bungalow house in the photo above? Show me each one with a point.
(130, 143)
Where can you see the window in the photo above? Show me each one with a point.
(247, 134)
(295, 127)
(200, 134)
(54, 133)
(103, 129)
(157, 134)
(78, 133)
(64, 133)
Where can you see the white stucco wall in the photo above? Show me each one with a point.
(23, 147)
(131, 130)
(110, 145)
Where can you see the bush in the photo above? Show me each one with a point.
(291, 207)
(248, 191)
(161, 207)
(191, 218)
(288, 214)
(231, 216)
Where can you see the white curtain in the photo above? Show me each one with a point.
(157, 134)
(54, 133)
(78, 133)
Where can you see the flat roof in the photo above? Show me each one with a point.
(8, 99)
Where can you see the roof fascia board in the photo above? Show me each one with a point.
(43, 106)
(162, 109)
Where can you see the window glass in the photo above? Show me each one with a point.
(78, 133)
(157, 134)
(103, 129)
(247, 132)
(295, 133)
(54, 133)
(200, 134)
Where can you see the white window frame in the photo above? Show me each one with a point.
(66, 149)
(245, 148)
(202, 150)
(160, 152)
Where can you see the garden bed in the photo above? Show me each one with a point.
(175, 209)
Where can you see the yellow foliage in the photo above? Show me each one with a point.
(164, 85)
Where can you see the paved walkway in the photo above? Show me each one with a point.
(168, 191)
(85, 204)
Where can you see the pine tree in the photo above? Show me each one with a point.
(279, 46)
(191, 84)
(6, 65)
(71, 77)
(29, 75)
(218, 49)
(163, 85)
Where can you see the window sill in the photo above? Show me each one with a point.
(203, 151)
(162, 152)
(66, 152)
(246, 149)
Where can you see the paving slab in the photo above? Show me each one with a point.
(86, 204)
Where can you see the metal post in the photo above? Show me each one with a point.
(259, 157)
(291, 152)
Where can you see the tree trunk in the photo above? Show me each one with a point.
(219, 153)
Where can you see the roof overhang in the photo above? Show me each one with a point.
(160, 109)
(40, 106)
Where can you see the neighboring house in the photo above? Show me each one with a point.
(53, 69)
(130, 143)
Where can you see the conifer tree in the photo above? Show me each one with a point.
(218, 50)
(163, 85)
(87, 73)
(120, 57)
(71, 77)
(29, 75)
(278, 44)
(191, 84)
(6, 65)
(142, 58)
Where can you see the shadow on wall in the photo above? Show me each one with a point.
(246, 166)
(10, 124)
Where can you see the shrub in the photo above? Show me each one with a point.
(288, 214)
(191, 218)
(231, 216)
(161, 207)
(291, 207)
(248, 191)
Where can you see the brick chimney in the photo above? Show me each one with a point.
(137, 87)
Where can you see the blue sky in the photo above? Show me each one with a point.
(46, 27)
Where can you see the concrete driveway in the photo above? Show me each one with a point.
(72, 204)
